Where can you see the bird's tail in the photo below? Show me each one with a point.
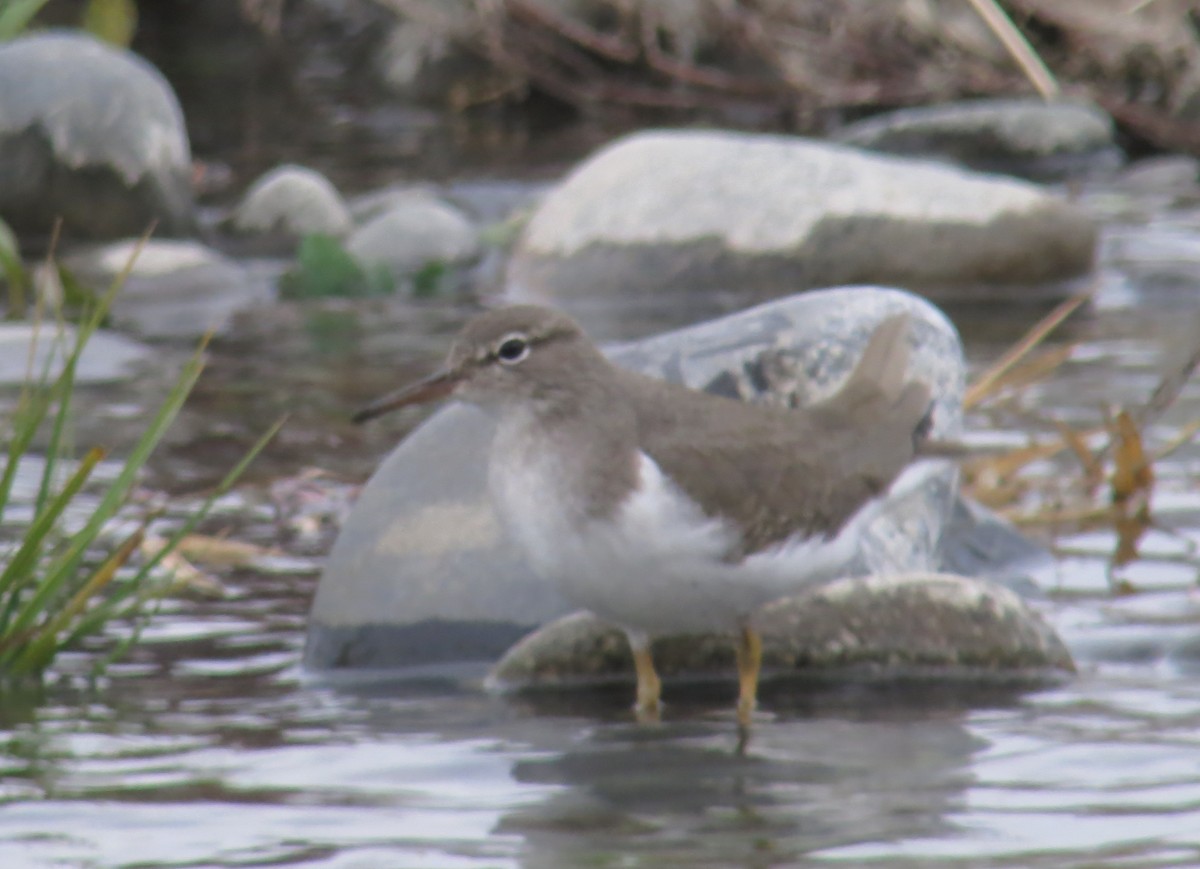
(881, 380)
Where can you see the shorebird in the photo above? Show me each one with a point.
(666, 510)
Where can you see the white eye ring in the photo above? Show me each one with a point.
(512, 348)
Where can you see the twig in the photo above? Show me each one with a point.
(693, 74)
(983, 387)
(612, 47)
(1019, 48)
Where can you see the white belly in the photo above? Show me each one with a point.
(657, 566)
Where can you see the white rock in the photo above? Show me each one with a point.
(293, 200)
(664, 211)
(414, 232)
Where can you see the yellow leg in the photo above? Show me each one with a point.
(649, 686)
(749, 662)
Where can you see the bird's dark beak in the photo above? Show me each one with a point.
(434, 387)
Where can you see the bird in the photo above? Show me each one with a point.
(666, 510)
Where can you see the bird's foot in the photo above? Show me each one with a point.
(745, 710)
(649, 687)
(648, 713)
(749, 664)
(748, 723)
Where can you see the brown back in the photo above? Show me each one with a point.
(777, 472)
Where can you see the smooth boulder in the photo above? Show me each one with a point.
(894, 626)
(174, 289)
(92, 134)
(293, 201)
(415, 231)
(762, 215)
(422, 573)
(1030, 137)
(29, 350)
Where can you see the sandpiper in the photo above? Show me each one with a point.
(666, 510)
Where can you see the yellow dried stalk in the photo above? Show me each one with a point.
(1093, 466)
(185, 576)
(987, 383)
(1182, 437)
(221, 551)
(1133, 473)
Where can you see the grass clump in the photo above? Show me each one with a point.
(61, 585)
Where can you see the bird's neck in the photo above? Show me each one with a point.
(579, 448)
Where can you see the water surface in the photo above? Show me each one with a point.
(209, 748)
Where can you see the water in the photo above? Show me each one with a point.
(212, 759)
(208, 747)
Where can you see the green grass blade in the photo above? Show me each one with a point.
(27, 418)
(32, 407)
(114, 496)
(13, 272)
(221, 488)
(25, 422)
(185, 529)
(37, 398)
(64, 388)
(26, 555)
(64, 385)
(138, 612)
(36, 654)
(16, 15)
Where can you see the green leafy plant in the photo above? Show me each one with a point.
(325, 269)
(55, 590)
(432, 279)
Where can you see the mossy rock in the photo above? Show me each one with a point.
(919, 624)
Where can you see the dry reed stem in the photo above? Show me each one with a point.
(221, 551)
(1018, 48)
(985, 385)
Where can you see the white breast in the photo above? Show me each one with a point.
(658, 565)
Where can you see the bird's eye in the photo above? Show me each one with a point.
(512, 349)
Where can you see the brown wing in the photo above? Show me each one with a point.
(765, 488)
(775, 472)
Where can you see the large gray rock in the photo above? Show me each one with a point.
(878, 627)
(1028, 137)
(175, 289)
(294, 201)
(91, 134)
(422, 572)
(664, 211)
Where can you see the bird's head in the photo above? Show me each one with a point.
(518, 354)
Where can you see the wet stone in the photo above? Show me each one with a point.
(879, 627)
(422, 572)
(413, 232)
(175, 289)
(292, 201)
(107, 357)
(1168, 176)
(1031, 138)
(91, 134)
